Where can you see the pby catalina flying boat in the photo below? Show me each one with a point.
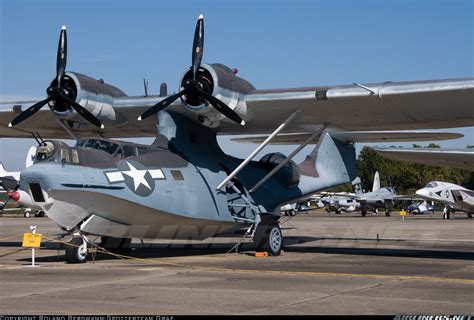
(183, 185)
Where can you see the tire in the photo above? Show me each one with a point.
(387, 213)
(77, 251)
(39, 214)
(469, 215)
(292, 213)
(268, 238)
(364, 213)
(26, 214)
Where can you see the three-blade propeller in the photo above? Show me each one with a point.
(57, 92)
(194, 86)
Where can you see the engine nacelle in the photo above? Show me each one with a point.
(221, 82)
(94, 95)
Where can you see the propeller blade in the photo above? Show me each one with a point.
(222, 107)
(62, 56)
(83, 112)
(198, 46)
(161, 105)
(29, 112)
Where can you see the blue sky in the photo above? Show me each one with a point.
(272, 43)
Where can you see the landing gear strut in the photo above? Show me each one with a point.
(268, 237)
(76, 251)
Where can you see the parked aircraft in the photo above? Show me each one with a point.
(385, 197)
(183, 185)
(420, 208)
(345, 201)
(10, 180)
(341, 203)
(453, 196)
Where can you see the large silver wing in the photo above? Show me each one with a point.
(356, 107)
(364, 107)
(462, 159)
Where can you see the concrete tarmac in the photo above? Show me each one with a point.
(333, 264)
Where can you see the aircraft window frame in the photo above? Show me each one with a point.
(102, 145)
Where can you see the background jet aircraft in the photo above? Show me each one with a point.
(124, 190)
(10, 180)
(453, 196)
(378, 198)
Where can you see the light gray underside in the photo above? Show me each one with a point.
(462, 159)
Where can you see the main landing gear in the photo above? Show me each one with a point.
(268, 237)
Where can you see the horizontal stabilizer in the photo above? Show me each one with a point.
(357, 136)
(460, 158)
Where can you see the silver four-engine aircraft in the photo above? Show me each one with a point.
(183, 186)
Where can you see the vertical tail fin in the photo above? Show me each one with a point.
(331, 163)
(376, 185)
(357, 186)
(3, 172)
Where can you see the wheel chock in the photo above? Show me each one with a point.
(261, 254)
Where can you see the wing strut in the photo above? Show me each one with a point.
(288, 159)
(257, 150)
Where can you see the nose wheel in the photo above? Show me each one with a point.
(76, 250)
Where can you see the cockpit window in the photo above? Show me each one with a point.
(431, 185)
(106, 146)
(129, 151)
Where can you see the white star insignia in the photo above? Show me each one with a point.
(138, 176)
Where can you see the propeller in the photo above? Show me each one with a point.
(57, 92)
(195, 86)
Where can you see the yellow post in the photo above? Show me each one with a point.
(403, 213)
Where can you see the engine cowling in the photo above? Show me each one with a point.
(94, 95)
(221, 82)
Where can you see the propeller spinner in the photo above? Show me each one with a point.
(195, 86)
(57, 91)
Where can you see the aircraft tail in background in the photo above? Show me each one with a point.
(376, 185)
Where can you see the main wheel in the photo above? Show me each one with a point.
(76, 252)
(364, 213)
(268, 238)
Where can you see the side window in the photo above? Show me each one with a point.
(75, 156)
(129, 151)
(177, 175)
(65, 155)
